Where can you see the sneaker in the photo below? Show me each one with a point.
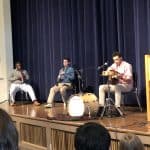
(36, 103)
(48, 105)
(12, 104)
(65, 105)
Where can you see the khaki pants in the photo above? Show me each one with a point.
(117, 89)
(62, 88)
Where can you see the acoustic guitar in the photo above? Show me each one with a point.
(112, 76)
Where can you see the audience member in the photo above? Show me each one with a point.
(8, 132)
(92, 136)
(131, 142)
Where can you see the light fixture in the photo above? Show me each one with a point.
(76, 106)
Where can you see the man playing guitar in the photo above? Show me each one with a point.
(121, 71)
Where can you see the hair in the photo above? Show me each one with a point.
(92, 136)
(131, 142)
(18, 62)
(116, 54)
(8, 132)
(66, 58)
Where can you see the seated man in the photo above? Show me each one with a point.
(92, 136)
(64, 82)
(18, 80)
(123, 76)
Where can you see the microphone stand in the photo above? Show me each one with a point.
(79, 78)
(109, 103)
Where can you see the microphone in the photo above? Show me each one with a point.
(102, 66)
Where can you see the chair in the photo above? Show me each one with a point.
(21, 95)
(134, 91)
(77, 83)
(76, 86)
(24, 95)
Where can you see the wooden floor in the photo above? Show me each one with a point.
(134, 121)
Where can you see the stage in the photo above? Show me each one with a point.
(36, 131)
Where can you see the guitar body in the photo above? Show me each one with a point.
(113, 81)
(112, 76)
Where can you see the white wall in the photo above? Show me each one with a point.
(6, 54)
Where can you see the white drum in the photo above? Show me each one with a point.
(90, 102)
(76, 106)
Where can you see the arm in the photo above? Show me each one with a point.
(111, 72)
(60, 75)
(25, 75)
(112, 67)
(124, 75)
(128, 76)
(14, 77)
(66, 76)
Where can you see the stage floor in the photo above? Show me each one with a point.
(133, 120)
(37, 132)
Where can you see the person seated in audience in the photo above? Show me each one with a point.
(92, 136)
(64, 82)
(8, 132)
(18, 79)
(130, 142)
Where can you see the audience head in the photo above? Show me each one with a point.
(8, 132)
(66, 61)
(117, 57)
(131, 142)
(92, 136)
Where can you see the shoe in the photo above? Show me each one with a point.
(36, 103)
(12, 104)
(48, 105)
(65, 105)
(100, 109)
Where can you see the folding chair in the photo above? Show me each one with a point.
(134, 91)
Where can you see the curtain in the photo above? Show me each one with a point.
(87, 31)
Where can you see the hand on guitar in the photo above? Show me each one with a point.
(121, 77)
(125, 79)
